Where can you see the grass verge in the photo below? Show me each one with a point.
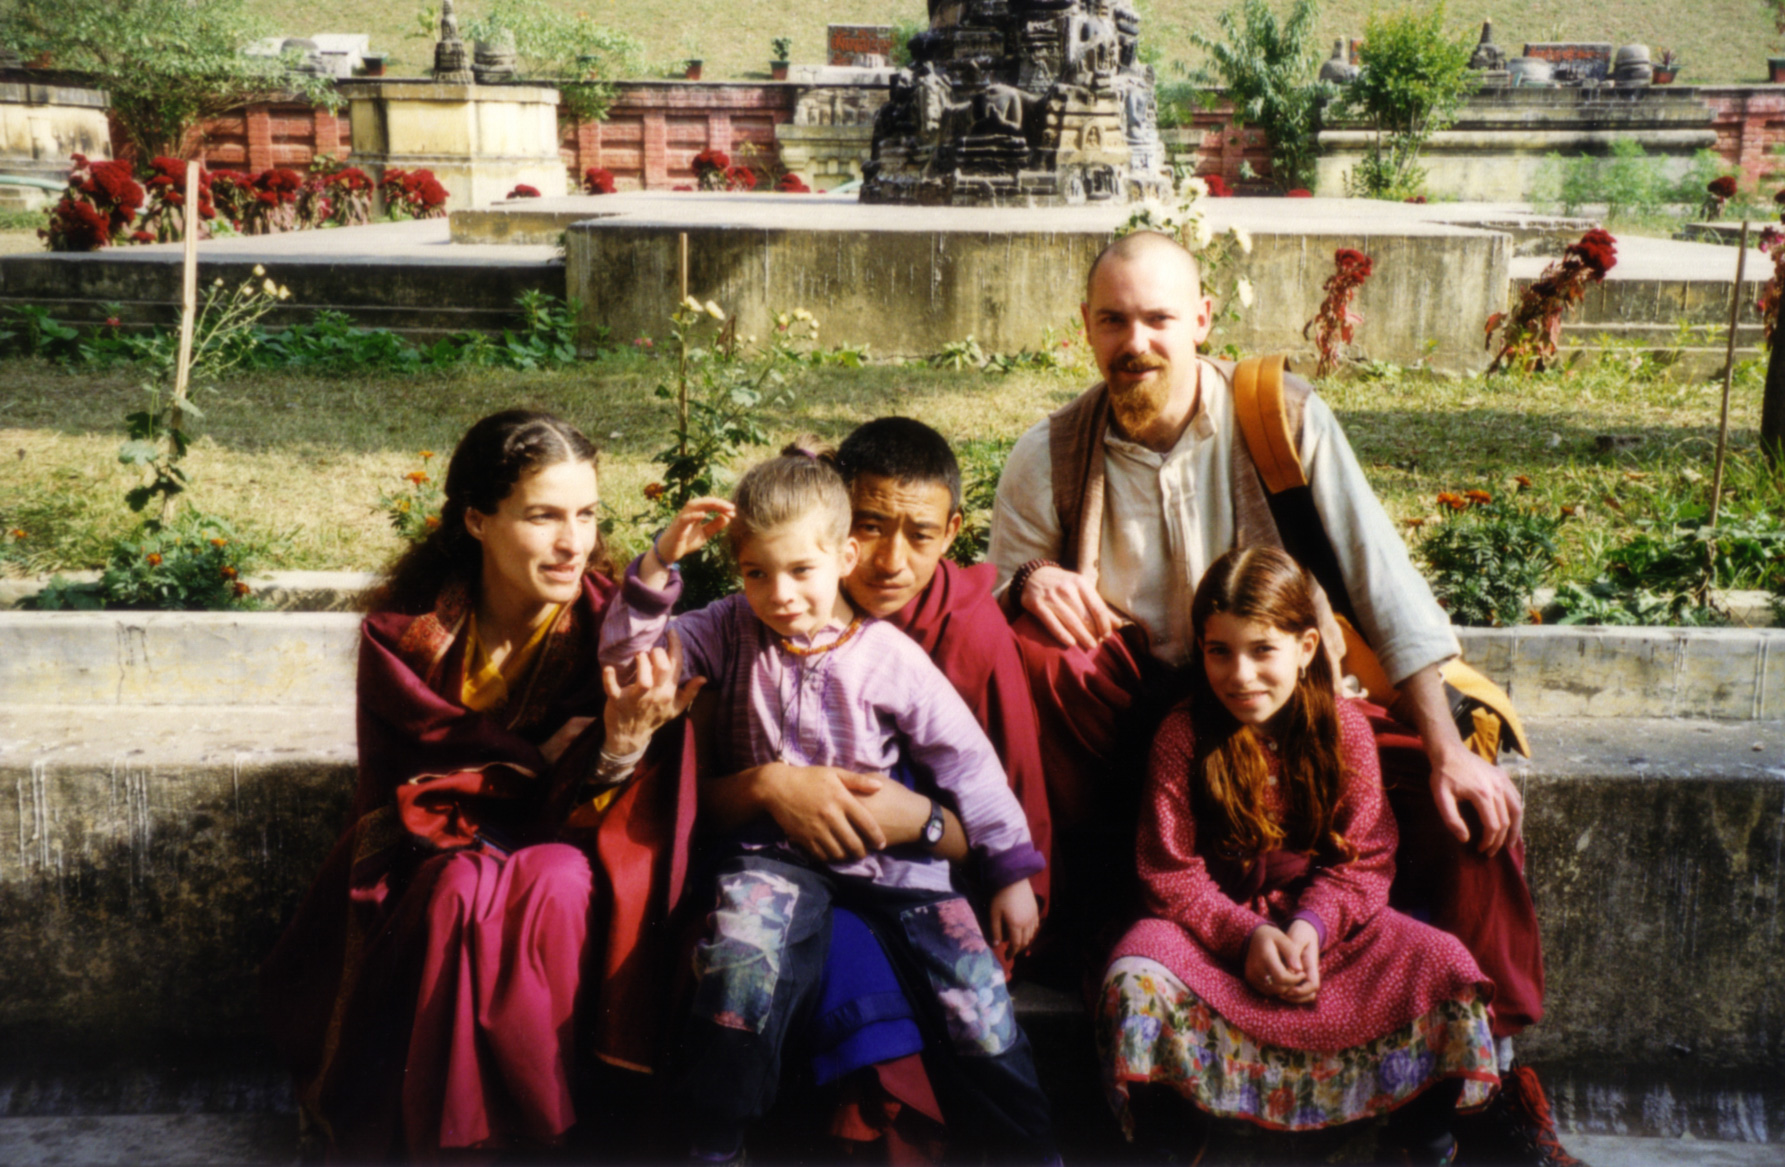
(301, 461)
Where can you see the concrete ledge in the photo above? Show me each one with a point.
(304, 659)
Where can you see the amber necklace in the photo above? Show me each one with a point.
(848, 634)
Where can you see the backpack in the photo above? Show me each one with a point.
(1483, 712)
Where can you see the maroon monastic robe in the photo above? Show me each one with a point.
(476, 931)
(957, 621)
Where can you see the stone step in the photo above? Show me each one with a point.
(307, 660)
(270, 1140)
(149, 856)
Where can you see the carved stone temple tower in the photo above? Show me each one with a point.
(1020, 103)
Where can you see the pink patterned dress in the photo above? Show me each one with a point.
(1401, 1005)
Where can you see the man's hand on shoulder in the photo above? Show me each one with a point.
(1461, 776)
(1069, 607)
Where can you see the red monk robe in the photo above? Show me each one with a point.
(958, 622)
(440, 984)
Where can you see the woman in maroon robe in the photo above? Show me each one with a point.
(482, 927)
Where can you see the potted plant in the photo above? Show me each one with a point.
(1666, 67)
(783, 46)
(693, 70)
(372, 64)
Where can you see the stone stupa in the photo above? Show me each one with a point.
(1020, 103)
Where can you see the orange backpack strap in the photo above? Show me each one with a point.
(1263, 416)
(1481, 708)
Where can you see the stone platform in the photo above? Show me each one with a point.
(174, 781)
(409, 277)
(908, 280)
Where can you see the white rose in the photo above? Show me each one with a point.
(1195, 188)
(1243, 238)
(1205, 233)
(1244, 287)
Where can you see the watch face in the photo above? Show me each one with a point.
(932, 830)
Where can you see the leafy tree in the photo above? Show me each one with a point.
(167, 64)
(581, 56)
(1415, 77)
(1268, 68)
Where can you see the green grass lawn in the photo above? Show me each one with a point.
(1720, 40)
(302, 460)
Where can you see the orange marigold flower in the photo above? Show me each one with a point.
(242, 589)
(17, 532)
(1455, 502)
(228, 572)
(426, 454)
(417, 476)
(655, 491)
(1416, 522)
(154, 559)
(433, 522)
(1478, 497)
(1524, 481)
(1571, 511)
(219, 541)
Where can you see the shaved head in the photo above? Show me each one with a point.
(1144, 246)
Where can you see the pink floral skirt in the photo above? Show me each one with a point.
(1152, 1028)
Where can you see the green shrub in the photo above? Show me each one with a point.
(1415, 76)
(982, 461)
(1268, 68)
(1485, 560)
(194, 564)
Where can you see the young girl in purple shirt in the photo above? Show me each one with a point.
(804, 678)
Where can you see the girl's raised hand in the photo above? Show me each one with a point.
(693, 528)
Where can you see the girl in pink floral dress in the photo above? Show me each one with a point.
(1271, 982)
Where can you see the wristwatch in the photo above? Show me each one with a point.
(934, 827)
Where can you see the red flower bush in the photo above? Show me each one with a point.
(413, 194)
(1218, 187)
(523, 191)
(1530, 333)
(273, 205)
(740, 178)
(1717, 194)
(349, 193)
(231, 192)
(710, 169)
(97, 209)
(1298, 193)
(792, 184)
(1333, 325)
(1772, 242)
(597, 181)
(165, 220)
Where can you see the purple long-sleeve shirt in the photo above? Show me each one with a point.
(862, 707)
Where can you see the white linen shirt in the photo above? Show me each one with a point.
(1166, 517)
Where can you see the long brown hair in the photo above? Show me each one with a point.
(1229, 769)
(494, 454)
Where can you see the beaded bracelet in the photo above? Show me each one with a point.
(1019, 581)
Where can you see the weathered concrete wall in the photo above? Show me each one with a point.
(480, 141)
(424, 299)
(908, 280)
(42, 127)
(1498, 143)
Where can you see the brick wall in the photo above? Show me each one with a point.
(1214, 145)
(654, 129)
(1750, 121)
(285, 134)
